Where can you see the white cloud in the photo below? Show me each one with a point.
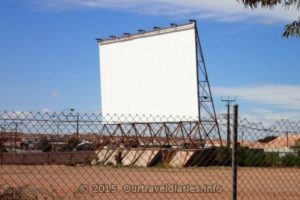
(269, 117)
(264, 117)
(264, 103)
(54, 93)
(225, 10)
(46, 110)
(281, 96)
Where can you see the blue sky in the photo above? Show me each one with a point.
(49, 56)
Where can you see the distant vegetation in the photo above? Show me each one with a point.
(44, 144)
(259, 158)
(71, 144)
(248, 157)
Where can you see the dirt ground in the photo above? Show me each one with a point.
(99, 182)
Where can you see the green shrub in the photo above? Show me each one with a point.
(71, 145)
(272, 159)
(251, 157)
(290, 160)
(222, 156)
(257, 158)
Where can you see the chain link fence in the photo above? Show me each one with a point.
(70, 155)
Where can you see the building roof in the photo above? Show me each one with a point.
(282, 141)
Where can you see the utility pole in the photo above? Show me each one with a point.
(228, 101)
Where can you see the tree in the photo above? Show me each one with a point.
(44, 144)
(267, 139)
(292, 29)
(71, 145)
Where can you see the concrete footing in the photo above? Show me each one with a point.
(146, 157)
(131, 157)
(152, 157)
(181, 158)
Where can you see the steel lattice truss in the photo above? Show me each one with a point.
(109, 130)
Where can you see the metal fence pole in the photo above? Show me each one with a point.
(234, 153)
(77, 128)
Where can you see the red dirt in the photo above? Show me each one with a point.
(63, 182)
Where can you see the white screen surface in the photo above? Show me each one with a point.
(150, 76)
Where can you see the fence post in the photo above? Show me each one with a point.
(77, 128)
(234, 152)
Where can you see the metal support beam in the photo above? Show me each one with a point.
(206, 108)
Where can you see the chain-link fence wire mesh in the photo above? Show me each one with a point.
(93, 156)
